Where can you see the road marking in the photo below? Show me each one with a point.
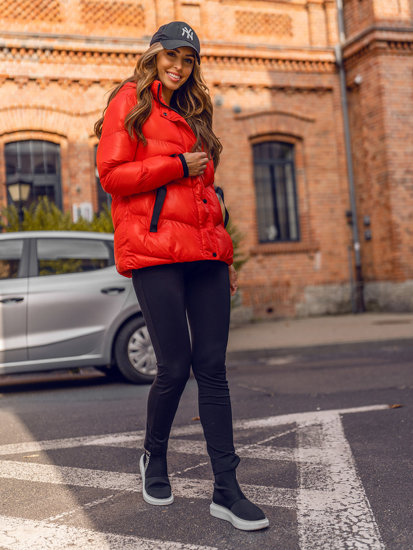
(304, 418)
(116, 439)
(25, 534)
(86, 506)
(332, 508)
(69, 442)
(127, 438)
(347, 522)
(181, 446)
(117, 481)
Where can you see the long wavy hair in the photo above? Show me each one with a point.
(191, 100)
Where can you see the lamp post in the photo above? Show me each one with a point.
(19, 188)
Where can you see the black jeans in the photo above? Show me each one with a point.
(170, 296)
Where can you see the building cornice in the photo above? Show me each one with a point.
(123, 52)
(137, 44)
(382, 39)
(22, 80)
(49, 108)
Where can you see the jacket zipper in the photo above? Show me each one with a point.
(162, 103)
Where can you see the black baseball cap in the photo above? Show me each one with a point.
(175, 35)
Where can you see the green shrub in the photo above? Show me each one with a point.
(236, 236)
(45, 215)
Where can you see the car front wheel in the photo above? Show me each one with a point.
(134, 354)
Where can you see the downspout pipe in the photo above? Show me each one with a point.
(358, 302)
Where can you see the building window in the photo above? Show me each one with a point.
(37, 162)
(103, 198)
(275, 190)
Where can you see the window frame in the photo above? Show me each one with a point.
(48, 179)
(272, 163)
(34, 262)
(308, 243)
(23, 270)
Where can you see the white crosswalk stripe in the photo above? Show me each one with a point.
(331, 505)
(347, 521)
(116, 481)
(24, 534)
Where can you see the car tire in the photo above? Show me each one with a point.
(134, 355)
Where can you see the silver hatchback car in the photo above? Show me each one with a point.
(63, 305)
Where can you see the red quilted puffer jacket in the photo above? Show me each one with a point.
(160, 216)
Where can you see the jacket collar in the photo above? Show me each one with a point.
(156, 89)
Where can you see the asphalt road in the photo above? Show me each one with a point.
(322, 452)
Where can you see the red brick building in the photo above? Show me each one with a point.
(272, 72)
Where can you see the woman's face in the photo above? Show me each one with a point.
(174, 68)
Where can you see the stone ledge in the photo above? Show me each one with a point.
(284, 248)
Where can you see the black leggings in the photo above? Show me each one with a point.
(170, 296)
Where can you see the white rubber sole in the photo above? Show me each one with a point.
(223, 513)
(147, 498)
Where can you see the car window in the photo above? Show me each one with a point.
(10, 257)
(62, 256)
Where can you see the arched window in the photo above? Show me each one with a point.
(275, 190)
(36, 162)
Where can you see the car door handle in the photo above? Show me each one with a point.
(111, 290)
(12, 300)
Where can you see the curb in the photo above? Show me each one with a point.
(254, 353)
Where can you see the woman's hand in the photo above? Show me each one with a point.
(233, 279)
(196, 163)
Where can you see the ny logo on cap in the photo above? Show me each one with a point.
(189, 32)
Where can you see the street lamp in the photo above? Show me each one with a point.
(19, 188)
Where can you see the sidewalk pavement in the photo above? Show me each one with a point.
(319, 331)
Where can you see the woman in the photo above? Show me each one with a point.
(156, 157)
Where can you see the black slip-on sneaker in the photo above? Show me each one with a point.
(155, 490)
(243, 515)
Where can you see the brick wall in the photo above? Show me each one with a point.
(381, 119)
(271, 71)
(362, 14)
(358, 14)
(310, 119)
